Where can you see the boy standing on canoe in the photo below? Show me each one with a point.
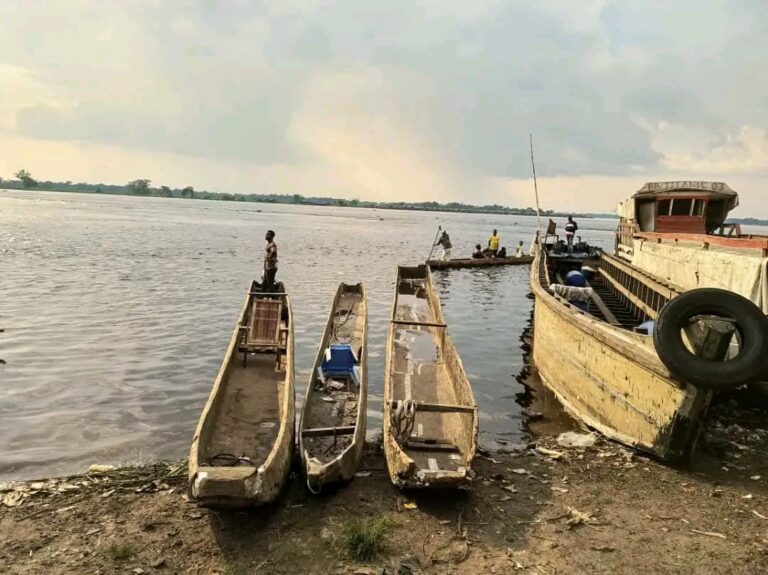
(270, 262)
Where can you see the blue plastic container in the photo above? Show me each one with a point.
(576, 279)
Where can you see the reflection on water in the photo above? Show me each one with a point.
(117, 312)
(412, 307)
(421, 346)
(542, 412)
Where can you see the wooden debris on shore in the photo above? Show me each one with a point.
(153, 478)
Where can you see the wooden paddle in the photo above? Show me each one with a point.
(434, 242)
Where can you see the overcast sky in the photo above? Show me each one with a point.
(390, 99)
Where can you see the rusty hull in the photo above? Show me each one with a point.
(612, 379)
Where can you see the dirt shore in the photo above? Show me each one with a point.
(546, 509)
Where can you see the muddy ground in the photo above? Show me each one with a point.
(545, 509)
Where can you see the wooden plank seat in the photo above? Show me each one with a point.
(264, 325)
(419, 323)
(440, 407)
(322, 431)
(264, 332)
(428, 444)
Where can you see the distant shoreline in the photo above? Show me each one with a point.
(747, 221)
(284, 199)
(189, 193)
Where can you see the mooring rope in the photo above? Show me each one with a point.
(229, 460)
(311, 490)
(403, 418)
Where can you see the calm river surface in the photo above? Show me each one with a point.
(116, 313)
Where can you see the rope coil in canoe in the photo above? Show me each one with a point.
(229, 460)
(403, 419)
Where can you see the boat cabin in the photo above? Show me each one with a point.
(677, 231)
(688, 212)
(680, 207)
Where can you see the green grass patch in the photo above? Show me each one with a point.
(363, 539)
(120, 552)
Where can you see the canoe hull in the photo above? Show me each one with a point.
(479, 263)
(343, 466)
(441, 379)
(212, 485)
(612, 380)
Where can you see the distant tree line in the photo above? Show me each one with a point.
(144, 187)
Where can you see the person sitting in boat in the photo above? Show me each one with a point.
(578, 297)
(493, 244)
(571, 227)
(270, 262)
(519, 252)
(576, 290)
(478, 254)
(445, 242)
(502, 253)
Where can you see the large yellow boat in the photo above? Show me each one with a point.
(596, 346)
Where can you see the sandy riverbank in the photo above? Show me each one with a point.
(546, 509)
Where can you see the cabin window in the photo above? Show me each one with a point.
(681, 207)
(646, 216)
(663, 207)
(697, 209)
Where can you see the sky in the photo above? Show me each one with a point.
(390, 100)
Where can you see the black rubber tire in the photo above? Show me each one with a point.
(752, 325)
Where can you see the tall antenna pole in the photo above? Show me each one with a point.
(536, 190)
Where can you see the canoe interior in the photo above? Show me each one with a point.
(340, 409)
(247, 424)
(424, 366)
(246, 415)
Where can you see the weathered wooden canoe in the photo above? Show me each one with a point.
(242, 449)
(430, 415)
(333, 420)
(601, 369)
(478, 263)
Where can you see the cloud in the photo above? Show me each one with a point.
(685, 151)
(370, 148)
(419, 99)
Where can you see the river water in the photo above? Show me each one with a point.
(117, 311)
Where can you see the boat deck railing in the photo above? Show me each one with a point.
(757, 245)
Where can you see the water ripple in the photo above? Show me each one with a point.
(117, 312)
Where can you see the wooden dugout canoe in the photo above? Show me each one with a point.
(478, 263)
(430, 415)
(601, 370)
(333, 421)
(242, 449)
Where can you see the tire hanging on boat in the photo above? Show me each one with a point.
(751, 327)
